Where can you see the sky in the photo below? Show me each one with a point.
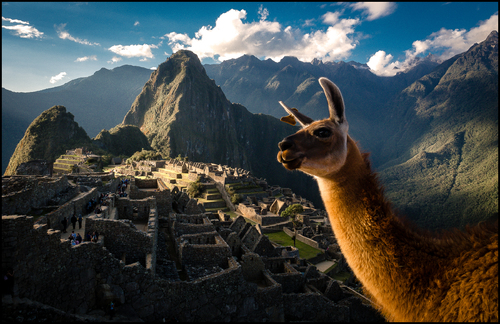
(47, 44)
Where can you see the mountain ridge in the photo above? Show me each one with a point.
(98, 102)
(430, 134)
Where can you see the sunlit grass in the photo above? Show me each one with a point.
(305, 251)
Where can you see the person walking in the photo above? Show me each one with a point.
(111, 311)
(80, 219)
(64, 224)
(73, 221)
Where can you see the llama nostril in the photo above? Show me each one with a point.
(285, 145)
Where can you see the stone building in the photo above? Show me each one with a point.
(160, 257)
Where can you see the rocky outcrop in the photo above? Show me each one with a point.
(122, 140)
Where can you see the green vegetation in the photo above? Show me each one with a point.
(232, 214)
(195, 189)
(341, 276)
(106, 159)
(144, 155)
(181, 158)
(291, 213)
(48, 137)
(236, 198)
(305, 251)
(121, 140)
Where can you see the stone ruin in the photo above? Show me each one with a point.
(159, 257)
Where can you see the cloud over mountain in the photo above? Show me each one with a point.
(447, 42)
(143, 50)
(232, 37)
(58, 77)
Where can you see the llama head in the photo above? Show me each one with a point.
(320, 147)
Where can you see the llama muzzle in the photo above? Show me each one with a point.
(288, 158)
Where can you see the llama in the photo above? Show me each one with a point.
(409, 274)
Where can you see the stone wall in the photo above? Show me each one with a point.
(84, 278)
(181, 224)
(73, 207)
(122, 237)
(251, 213)
(251, 238)
(162, 193)
(303, 239)
(225, 196)
(125, 208)
(290, 279)
(204, 249)
(144, 183)
(125, 241)
(314, 307)
(35, 191)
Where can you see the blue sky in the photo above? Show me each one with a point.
(47, 44)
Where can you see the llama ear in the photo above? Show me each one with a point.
(294, 113)
(335, 100)
(289, 120)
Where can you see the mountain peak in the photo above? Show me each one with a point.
(289, 60)
(493, 36)
(180, 60)
(48, 136)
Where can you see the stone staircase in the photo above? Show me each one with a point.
(212, 199)
(64, 163)
(172, 178)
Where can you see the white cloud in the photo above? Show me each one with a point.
(375, 10)
(58, 77)
(15, 21)
(153, 68)
(136, 23)
(22, 29)
(380, 61)
(143, 51)
(115, 59)
(263, 12)
(232, 37)
(446, 42)
(308, 22)
(86, 58)
(65, 35)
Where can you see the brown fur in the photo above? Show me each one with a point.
(410, 274)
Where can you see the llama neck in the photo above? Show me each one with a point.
(369, 235)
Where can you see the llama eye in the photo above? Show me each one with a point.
(322, 133)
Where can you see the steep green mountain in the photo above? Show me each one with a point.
(122, 140)
(182, 111)
(98, 102)
(47, 137)
(441, 151)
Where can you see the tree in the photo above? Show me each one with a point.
(291, 213)
(195, 189)
(236, 198)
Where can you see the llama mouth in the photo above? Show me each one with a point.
(289, 164)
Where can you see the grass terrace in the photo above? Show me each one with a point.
(305, 251)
